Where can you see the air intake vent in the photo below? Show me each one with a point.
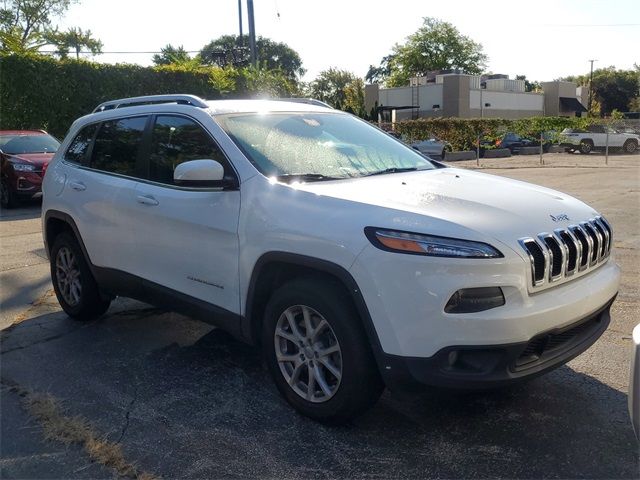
(564, 252)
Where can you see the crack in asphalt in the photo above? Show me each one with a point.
(125, 427)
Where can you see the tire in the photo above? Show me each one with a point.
(586, 146)
(7, 197)
(630, 146)
(356, 384)
(73, 283)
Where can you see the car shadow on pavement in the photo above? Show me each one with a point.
(185, 400)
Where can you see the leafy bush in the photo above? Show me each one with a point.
(463, 133)
(41, 92)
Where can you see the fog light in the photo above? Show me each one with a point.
(470, 300)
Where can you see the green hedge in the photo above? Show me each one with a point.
(42, 92)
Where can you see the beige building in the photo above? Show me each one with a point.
(470, 96)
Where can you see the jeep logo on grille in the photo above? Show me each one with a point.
(561, 217)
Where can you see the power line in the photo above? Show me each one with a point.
(590, 25)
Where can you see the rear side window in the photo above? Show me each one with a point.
(176, 140)
(79, 147)
(117, 145)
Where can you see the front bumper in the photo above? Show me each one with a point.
(488, 366)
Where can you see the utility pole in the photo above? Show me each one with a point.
(590, 87)
(252, 34)
(240, 20)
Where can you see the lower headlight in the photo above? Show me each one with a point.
(471, 300)
(431, 245)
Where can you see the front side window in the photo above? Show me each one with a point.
(117, 144)
(79, 147)
(176, 140)
(324, 145)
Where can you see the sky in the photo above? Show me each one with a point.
(543, 40)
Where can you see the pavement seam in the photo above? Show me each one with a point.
(59, 426)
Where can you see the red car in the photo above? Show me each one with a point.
(24, 156)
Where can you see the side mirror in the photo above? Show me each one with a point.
(200, 173)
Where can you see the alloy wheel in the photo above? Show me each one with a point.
(68, 276)
(308, 353)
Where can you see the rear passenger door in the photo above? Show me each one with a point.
(101, 191)
(187, 238)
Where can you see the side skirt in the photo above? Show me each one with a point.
(116, 282)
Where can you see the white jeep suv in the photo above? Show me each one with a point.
(353, 260)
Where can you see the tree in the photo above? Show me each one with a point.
(437, 45)
(170, 54)
(73, 39)
(381, 73)
(612, 89)
(534, 86)
(233, 50)
(25, 23)
(340, 89)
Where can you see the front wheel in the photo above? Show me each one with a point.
(73, 283)
(629, 146)
(586, 147)
(317, 353)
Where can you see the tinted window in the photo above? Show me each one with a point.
(31, 144)
(80, 145)
(176, 140)
(117, 144)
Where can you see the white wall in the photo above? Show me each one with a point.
(428, 96)
(507, 100)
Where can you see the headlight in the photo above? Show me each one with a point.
(431, 245)
(23, 167)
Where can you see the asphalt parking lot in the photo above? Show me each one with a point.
(177, 398)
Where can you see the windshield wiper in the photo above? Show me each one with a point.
(391, 170)
(305, 177)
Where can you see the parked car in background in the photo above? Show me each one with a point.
(596, 137)
(24, 156)
(432, 147)
(634, 382)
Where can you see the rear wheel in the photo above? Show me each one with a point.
(630, 146)
(586, 146)
(73, 283)
(317, 352)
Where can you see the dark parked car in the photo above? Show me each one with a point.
(24, 156)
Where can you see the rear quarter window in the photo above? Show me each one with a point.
(81, 145)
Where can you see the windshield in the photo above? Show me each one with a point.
(318, 146)
(18, 144)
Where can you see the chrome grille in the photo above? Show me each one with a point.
(564, 252)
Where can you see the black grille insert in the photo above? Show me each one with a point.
(556, 253)
(538, 259)
(582, 238)
(572, 250)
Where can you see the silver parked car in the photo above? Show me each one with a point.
(432, 147)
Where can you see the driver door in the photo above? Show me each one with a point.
(187, 238)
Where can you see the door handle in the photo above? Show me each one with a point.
(78, 186)
(147, 200)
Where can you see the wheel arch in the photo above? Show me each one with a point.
(56, 222)
(273, 269)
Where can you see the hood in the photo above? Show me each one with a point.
(493, 206)
(37, 159)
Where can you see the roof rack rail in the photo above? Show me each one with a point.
(150, 100)
(310, 101)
